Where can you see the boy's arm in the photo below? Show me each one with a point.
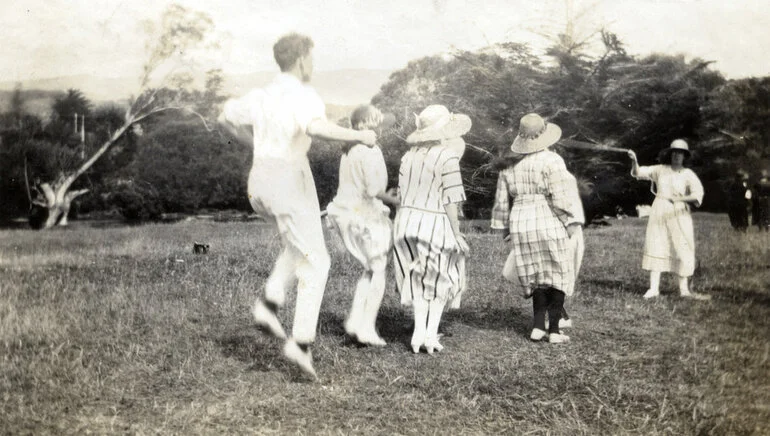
(322, 128)
(242, 133)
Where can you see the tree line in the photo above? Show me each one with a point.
(175, 161)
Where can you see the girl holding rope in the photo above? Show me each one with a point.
(669, 244)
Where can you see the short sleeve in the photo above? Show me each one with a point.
(239, 111)
(452, 181)
(563, 193)
(695, 187)
(501, 210)
(309, 108)
(371, 163)
(648, 173)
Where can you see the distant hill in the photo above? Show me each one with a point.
(340, 87)
(36, 102)
(39, 103)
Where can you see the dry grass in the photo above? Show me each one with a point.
(124, 330)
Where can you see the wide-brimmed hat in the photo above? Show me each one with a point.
(435, 123)
(676, 145)
(535, 134)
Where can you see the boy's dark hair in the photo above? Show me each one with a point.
(290, 48)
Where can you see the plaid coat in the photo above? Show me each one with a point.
(537, 199)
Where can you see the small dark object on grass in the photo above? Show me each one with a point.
(199, 248)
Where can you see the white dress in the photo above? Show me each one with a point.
(669, 244)
(361, 218)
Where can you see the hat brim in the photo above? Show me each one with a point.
(458, 125)
(546, 139)
(665, 154)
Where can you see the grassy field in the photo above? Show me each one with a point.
(125, 330)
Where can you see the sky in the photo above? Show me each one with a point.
(107, 38)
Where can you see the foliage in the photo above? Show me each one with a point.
(192, 168)
(613, 99)
(136, 202)
(181, 36)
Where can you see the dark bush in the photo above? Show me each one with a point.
(137, 203)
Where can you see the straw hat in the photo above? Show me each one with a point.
(435, 123)
(535, 134)
(677, 144)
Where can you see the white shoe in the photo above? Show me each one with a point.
(303, 359)
(432, 345)
(538, 335)
(372, 339)
(557, 338)
(266, 319)
(416, 348)
(651, 293)
(350, 329)
(563, 323)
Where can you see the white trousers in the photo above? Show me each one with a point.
(284, 191)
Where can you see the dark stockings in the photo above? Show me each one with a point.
(539, 306)
(548, 300)
(555, 309)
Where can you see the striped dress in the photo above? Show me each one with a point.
(545, 201)
(427, 262)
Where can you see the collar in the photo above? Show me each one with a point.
(289, 79)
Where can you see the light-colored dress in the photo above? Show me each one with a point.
(428, 262)
(361, 218)
(669, 244)
(537, 199)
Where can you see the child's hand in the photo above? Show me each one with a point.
(573, 229)
(395, 193)
(464, 247)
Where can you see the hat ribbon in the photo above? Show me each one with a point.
(536, 135)
(444, 120)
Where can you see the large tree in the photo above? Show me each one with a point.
(181, 32)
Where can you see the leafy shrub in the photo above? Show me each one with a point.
(137, 202)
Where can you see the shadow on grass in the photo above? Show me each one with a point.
(253, 347)
(517, 319)
(740, 296)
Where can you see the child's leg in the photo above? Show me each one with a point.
(353, 323)
(421, 308)
(555, 308)
(684, 289)
(436, 309)
(654, 290)
(368, 330)
(539, 307)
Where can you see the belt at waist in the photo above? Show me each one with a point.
(529, 198)
(443, 212)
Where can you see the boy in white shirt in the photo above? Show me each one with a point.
(279, 121)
